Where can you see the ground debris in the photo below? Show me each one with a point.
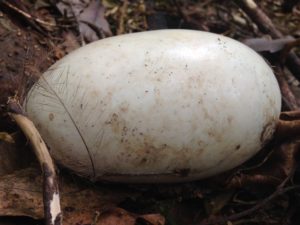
(34, 34)
(90, 17)
(21, 195)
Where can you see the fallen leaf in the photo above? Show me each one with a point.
(21, 195)
(94, 14)
(90, 17)
(263, 44)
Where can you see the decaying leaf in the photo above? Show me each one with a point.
(21, 195)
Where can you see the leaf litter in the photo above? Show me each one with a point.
(54, 28)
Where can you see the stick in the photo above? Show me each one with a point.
(290, 115)
(32, 18)
(287, 95)
(51, 198)
(28, 16)
(265, 24)
(279, 191)
(122, 17)
(287, 129)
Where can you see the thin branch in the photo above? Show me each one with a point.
(51, 198)
(28, 16)
(279, 191)
(287, 129)
(290, 115)
(32, 18)
(265, 24)
(287, 95)
(124, 7)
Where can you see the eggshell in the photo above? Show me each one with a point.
(156, 106)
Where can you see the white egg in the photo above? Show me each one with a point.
(156, 106)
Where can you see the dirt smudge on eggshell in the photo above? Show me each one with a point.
(51, 116)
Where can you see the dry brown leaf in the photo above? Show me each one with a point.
(21, 195)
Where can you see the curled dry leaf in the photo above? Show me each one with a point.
(21, 195)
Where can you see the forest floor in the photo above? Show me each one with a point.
(36, 33)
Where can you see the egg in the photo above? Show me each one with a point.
(156, 107)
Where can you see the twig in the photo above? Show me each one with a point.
(51, 198)
(287, 94)
(279, 191)
(290, 115)
(122, 16)
(287, 129)
(28, 16)
(265, 24)
(287, 49)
